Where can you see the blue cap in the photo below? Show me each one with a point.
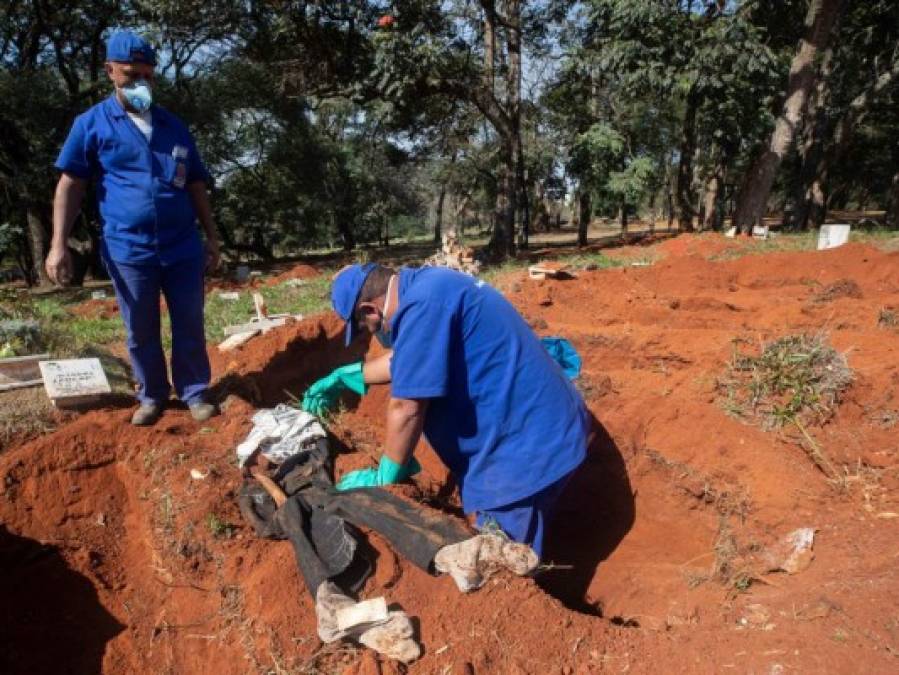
(345, 294)
(127, 47)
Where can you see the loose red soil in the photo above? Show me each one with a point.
(109, 563)
(297, 272)
(96, 309)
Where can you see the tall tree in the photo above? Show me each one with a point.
(756, 188)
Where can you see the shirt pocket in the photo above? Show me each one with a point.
(171, 171)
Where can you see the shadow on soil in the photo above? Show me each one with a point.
(51, 620)
(594, 514)
(290, 371)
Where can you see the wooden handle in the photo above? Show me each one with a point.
(270, 486)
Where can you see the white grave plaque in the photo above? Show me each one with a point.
(760, 231)
(731, 232)
(74, 379)
(831, 236)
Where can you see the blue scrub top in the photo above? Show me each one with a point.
(146, 211)
(502, 415)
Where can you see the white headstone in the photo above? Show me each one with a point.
(74, 378)
(731, 232)
(760, 231)
(98, 295)
(229, 295)
(831, 236)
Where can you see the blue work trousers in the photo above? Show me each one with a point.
(526, 520)
(138, 287)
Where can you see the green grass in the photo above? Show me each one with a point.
(219, 528)
(63, 333)
(577, 261)
(596, 260)
(887, 240)
(311, 297)
(795, 379)
(779, 243)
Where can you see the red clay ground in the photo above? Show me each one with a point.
(110, 563)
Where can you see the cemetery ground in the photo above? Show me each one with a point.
(743, 390)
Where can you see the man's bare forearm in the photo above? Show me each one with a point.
(66, 205)
(405, 420)
(377, 371)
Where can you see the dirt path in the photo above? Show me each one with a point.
(116, 560)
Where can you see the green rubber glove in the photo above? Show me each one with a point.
(323, 394)
(387, 473)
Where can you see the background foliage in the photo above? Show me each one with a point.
(330, 123)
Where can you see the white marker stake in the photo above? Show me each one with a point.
(831, 236)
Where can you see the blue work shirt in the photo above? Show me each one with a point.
(146, 211)
(502, 415)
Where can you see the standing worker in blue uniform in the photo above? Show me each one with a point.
(465, 369)
(151, 189)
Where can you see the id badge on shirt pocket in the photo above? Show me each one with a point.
(179, 154)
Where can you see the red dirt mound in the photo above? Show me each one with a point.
(296, 272)
(654, 555)
(708, 244)
(96, 309)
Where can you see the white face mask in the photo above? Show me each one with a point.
(139, 95)
(384, 335)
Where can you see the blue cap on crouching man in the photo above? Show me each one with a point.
(126, 47)
(345, 294)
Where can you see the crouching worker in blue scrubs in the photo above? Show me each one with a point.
(465, 369)
(151, 188)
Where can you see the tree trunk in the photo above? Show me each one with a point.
(753, 199)
(523, 201)
(37, 240)
(831, 142)
(438, 216)
(345, 228)
(710, 203)
(811, 147)
(509, 187)
(502, 241)
(892, 215)
(585, 214)
(622, 216)
(489, 44)
(513, 107)
(816, 203)
(669, 205)
(685, 194)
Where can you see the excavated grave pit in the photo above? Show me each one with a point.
(116, 560)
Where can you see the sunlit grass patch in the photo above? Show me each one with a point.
(309, 296)
(797, 378)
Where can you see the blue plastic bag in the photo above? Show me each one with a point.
(563, 353)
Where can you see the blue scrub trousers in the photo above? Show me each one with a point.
(137, 287)
(525, 521)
